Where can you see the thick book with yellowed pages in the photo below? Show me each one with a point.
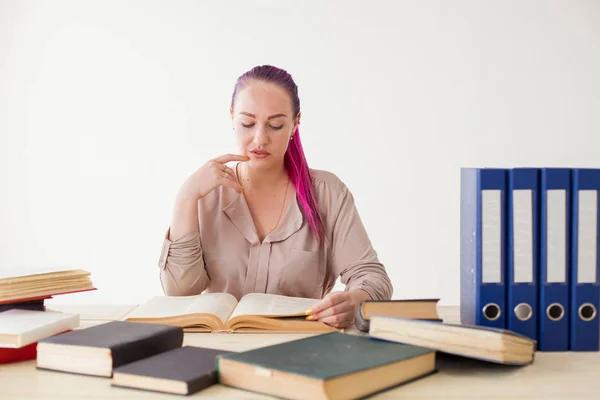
(19, 284)
(221, 312)
(496, 345)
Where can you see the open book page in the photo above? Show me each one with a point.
(219, 304)
(272, 305)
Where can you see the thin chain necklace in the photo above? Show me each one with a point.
(282, 203)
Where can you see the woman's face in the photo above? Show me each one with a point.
(263, 123)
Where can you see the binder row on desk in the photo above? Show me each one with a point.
(529, 253)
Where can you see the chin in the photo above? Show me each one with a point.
(262, 164)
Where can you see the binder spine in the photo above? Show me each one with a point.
(555, 242)
(522, 257)
(585, 292)
(483, 246)
(468, 243)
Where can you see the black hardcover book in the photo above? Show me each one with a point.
(99, 349)
(33, 305)
(184, 370)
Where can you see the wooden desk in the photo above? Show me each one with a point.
(552, 376)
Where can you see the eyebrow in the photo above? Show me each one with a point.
(270, 117)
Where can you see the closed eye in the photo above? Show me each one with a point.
(250, 125)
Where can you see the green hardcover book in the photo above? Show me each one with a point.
(327, 366)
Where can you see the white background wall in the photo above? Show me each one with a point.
(106, 107)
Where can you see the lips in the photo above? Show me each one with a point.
(260, 153)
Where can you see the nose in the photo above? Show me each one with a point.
(260, 135)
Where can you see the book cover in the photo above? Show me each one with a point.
(330, 365)
(124, 342)
(491, 344)
(407, 308)
(19, 328)
(8, 355)
(184, 370)
(32, 305)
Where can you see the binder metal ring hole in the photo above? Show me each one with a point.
(587, 312)
(555, 312)
(491, 311)
(523, 311)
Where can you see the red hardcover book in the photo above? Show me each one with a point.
(28, 352)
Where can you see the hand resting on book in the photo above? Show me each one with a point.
(338, 309)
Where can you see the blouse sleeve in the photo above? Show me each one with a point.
(181, 264)
(352, 255)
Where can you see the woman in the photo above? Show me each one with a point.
(267, 223)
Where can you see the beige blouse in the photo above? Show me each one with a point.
(225, 254)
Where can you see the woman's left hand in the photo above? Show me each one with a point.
(338, 309)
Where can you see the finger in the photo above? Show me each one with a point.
(339, 324)
(228, 173)
(329, 301)
(226, 177)
(220, 167)
(230, 157)
(338, 321)
(232, 176)
(223, 171)
(230, 182)
(340, 308)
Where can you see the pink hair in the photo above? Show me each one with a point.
(294, 160)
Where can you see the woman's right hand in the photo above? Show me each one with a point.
(212, 174)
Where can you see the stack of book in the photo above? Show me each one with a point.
(23, 316)
(529, 253)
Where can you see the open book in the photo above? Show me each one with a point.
(211, 312)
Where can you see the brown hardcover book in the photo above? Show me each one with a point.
(484, 343)
(328, 366)
(407, 308)
(99, 349)
(184, 370)
(212, 312)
